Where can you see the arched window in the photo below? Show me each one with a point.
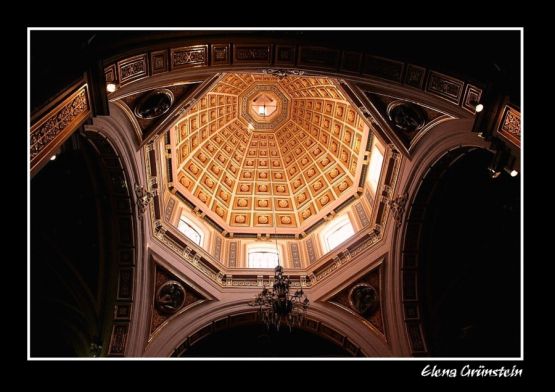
(338, 232)
(192, 232)
(375, 166)
(262, 256)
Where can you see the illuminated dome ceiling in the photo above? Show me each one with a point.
(258, 153)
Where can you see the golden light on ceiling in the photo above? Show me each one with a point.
(287, 168)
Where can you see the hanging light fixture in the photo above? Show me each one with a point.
(276, 305)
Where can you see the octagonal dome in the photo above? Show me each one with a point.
(260, 154)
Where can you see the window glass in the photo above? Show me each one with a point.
(263, 258)
(375, 168)
(338, 234)
(192, 233)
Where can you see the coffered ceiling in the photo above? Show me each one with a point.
(258, 153)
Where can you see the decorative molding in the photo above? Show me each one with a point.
(414, 76)
(110, 73)
(281, 73)
(132, 68)
(510, 126)
(56, 126)
(351, 61)
(218, 247)
(118, 340)
(362, 216)
(125, 284)
(472, 96)
(285, 55)
(232, 261)
(310, 249)
(319, 57)
(189, 56)
(221, 54)
(445, 87)
(295, 256)
(169, 210)
(123, 243)
(383, 68)
(251, 53)
(397, 207)
(143, 199)
(122, 311)
(159, 62)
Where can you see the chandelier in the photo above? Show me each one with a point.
(276, 305)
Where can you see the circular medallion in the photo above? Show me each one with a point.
(170, 297)
(406, 116)
(154, 104)
(363, 299)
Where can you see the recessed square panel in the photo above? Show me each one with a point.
(301, 198)
(220, 210)
(281, 189)
(348, 136)
(283, 204)
(317, 186)
(244, 188)
(263, 219)
(324, 199)
(247, 175)
(186, 181)
(223, 195)
(342, 186)
(263, 203)
(297, 183)
(202, 195)
(209, 182)
(278, 176)
(263, 188)
(228, 181)
(311, 173)
(334, 173)
(293, 170)
(345, 156)
(240, 219)
(307, 212)
(194, 169)
(286, 220)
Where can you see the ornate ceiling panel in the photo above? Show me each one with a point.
(260, 153)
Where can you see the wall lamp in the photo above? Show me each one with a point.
(111, 87)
